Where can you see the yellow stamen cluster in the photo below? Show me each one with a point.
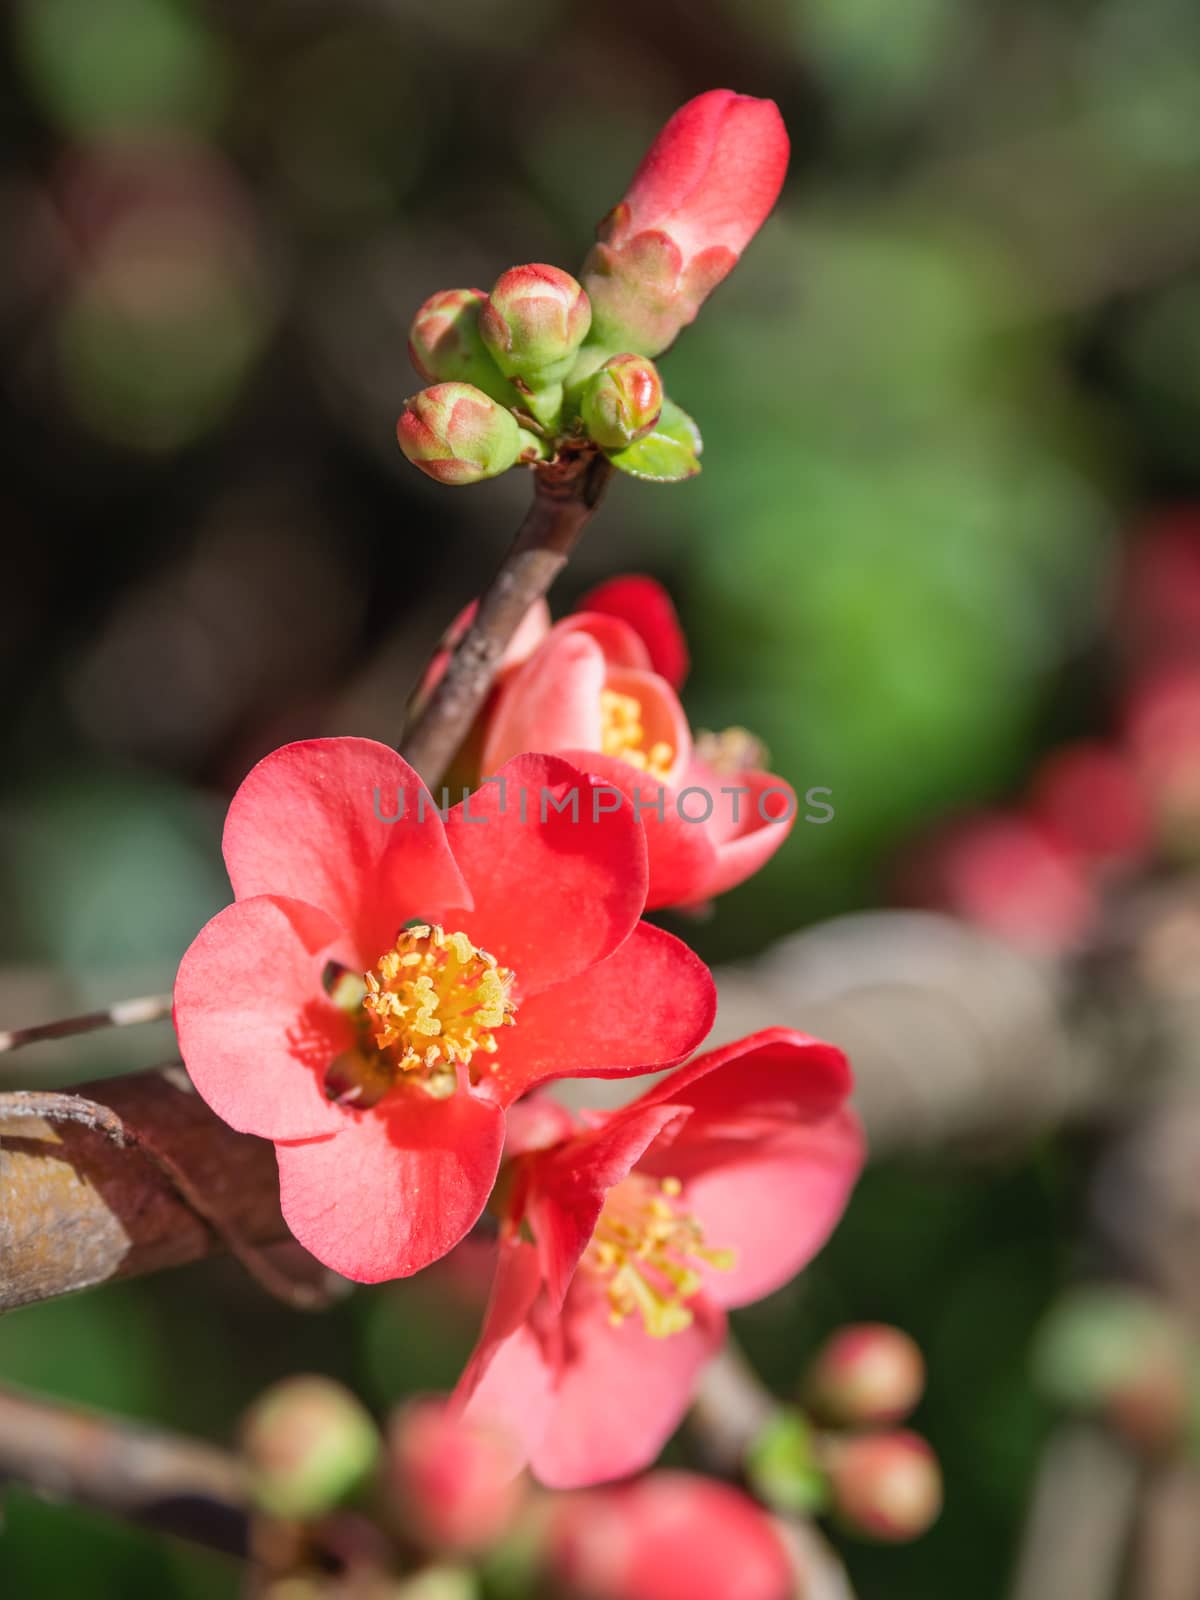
(434, 999)
(649, 1251)
(622, 735)
(731, 752)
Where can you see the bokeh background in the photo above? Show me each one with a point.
(959, 366)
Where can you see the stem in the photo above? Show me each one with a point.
(150, 1008)
(173, 1484)
(565, 495)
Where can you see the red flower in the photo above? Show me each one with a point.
(670, 1536)
(1088, 795)
(711, 1190)
(382, 990)
(702, 192)
(600, 690)
(1005, 873)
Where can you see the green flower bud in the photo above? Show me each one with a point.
(622, 401)
(308, 1444)
(456, 434)
(534, 322)
(446, 346)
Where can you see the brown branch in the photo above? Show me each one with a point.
(565, 495)
(152, 1008)
(144, 1475)
(109, 1184)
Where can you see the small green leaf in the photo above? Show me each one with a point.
(667, 455)
(782, 1467)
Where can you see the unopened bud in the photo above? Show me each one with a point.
(446, 346)
(308, 1444)
(869, 1374)
(457, 435)
(454, 1485)
(885, 1486)
(1115, 1353)
(534, 321)
(622, 401)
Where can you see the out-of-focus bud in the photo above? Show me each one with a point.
(1007, 874)
(702, 192)
(438, 1583)
(1162, 723)
(668, 1536)
(1088, 796)
(884, 1486)
(308, 1445)
(454, 1486)
(1160, 594)
(868, 1374)
(622, 401)
(446, 346)
(456, 434)
(534, 321)
(1116, 1353)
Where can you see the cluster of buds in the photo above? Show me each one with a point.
(406, 1512)
(544, 364)
(842, 1452)
(1097, 809)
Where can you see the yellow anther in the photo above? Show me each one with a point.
(433, 1000)
(623, 735)
(649, 1252)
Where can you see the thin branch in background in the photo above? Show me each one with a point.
(144, 1475)
(124, 1014)
(566, 494)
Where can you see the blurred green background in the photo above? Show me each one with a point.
(960, 363)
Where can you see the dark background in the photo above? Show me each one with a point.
(958, 368)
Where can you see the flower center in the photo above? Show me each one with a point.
(649, 1253)
(623, 735)
(434, 999)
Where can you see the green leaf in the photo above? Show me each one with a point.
(668, 455)
(782, 1467)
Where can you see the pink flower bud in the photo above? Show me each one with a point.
(1162, 722)
(534, 321)
(457, 435)
(668, 1536)
(1087, 795)
(308, 1444)
(868, 1374)
(702, 192)
(446, 346)
(455, 1487)
(622, 401)
(885, 1485)
(1007, 874)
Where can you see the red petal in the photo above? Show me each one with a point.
(568, 1186)
(648, 609)
(306, 823)
(748, 827)
(255, 1027)
(713, 173)
(509, 1381)
(555, 891)
(397, 1187)
(621, 643)
(551, 703)
(682, 855)
(646, 1007)
(768, 1157)
(620, 1394)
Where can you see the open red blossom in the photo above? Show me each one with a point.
(624, 1240)
(669, 1536)
(382, 990)
(702, 192)
(600, 690)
